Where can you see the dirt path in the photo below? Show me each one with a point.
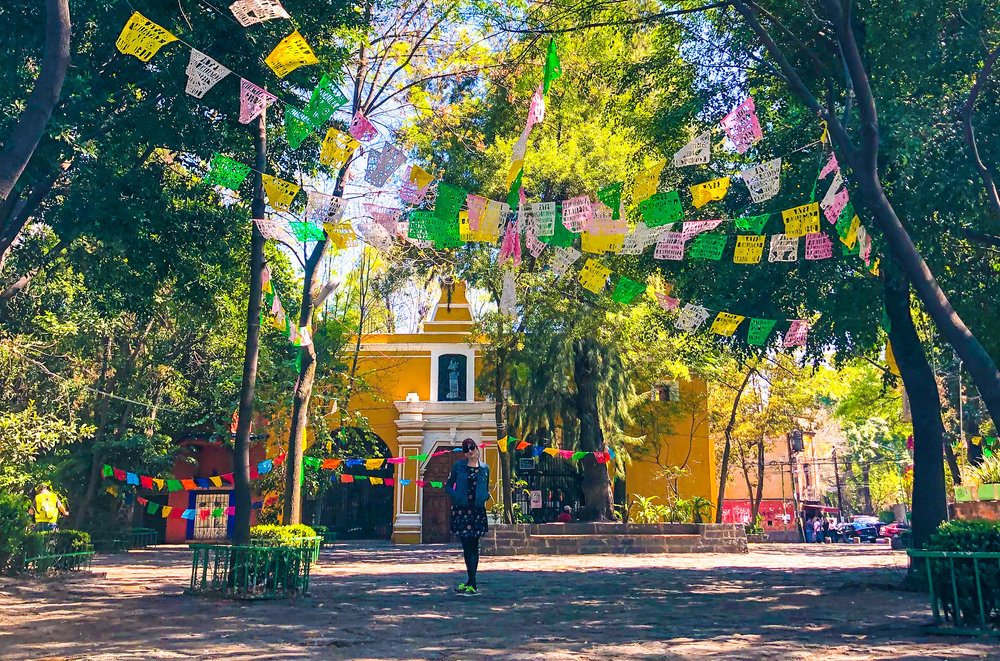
(372, 601)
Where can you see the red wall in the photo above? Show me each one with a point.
(738, 511)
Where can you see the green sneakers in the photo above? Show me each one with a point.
(464, 589)
(469, 590)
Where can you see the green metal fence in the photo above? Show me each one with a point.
(250, 572)
(312, 543)
(964, 588)
(142, 537)
(59, 562)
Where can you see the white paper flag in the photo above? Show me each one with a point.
(783, 248)
(763, 180)
(692, 317)
(696, 152)
(545, 214)
(375, 235)
(831, 192)
(275, 230)
(322, 208)
(382, 163)
(563, 259)
(249, 12)
(203, 73)
(670, 246)
(508, 296)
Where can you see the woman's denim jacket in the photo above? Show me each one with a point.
(457, 485)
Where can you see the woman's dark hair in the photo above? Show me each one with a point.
(468, 445)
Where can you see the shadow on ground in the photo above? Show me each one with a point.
(387, 602)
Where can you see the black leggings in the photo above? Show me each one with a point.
(470, 549)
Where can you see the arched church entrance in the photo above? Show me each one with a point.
(359, 509)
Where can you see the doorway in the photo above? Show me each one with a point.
(436, 504)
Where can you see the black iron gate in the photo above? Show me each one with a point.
(358, 510)
(556, 479)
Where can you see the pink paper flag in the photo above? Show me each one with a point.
(666, 302)
(576, 213)
(535, 247)
(818, 246)
(476, 206)
(389, 481)
(796, 334)
(423, 483)
(566, 454)
(536, 111)
(670, 246)
(832, 212)
(231, 510)
(396, 460)
(253, 100)
(511, 247)
(831, 166)
(696, 227)
(522, 199)
(361, 129)
(742, 126)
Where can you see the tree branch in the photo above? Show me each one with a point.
(965, 115)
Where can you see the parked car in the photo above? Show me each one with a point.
(865, 531)
(892, 529)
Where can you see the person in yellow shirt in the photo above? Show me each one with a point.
(47, 508)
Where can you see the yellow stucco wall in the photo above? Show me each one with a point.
(676, 435)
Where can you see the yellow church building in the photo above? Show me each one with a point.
(422, 399)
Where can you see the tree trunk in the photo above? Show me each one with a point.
(727, 449)
(866, 489)
(949, 455)
(42, 100)
(500, 414)
(292, 510)
(759, 495)
(596, 484)
(929, 503)
(241, 444)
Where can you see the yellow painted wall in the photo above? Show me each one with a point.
(676, 433)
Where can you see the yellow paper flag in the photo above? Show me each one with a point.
(420, 178)
(502, 444)
(726, 323)
(374, 464)
(890, 359)
(646, 182)
(515, 167)
(801, 220)
(702, 194)
(601, 243)
(142, 37)
(852, 234)
(976, 440)
(291, 53)
(375, 480)
(280, 193)
(165, 511)
(594, 275)
(341, 235)
(159, 483)
(215, 480)
(749, 248)
(337, 148)
(552, 452)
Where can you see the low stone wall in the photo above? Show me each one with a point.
(613, 538)
(986, 509)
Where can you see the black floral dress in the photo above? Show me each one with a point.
(469, 520)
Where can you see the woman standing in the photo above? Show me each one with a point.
(468, 486)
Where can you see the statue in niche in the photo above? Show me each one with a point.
(451, 378)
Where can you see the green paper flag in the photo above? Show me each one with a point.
(312, 462)
(612, 196)
(421, 224)
(856, 250)
(626, 290)
(513, 195)
(325, 100)
(305, 231)
(449, 202)
(107, 471)
(759, 330)
(436, 485)
(224, 171)
(152, 508)
(752, 224)
(708, 246)
(217, 511)
(420, 457)
(844, 220)
(661, 208)
(553, 68)
(579, 455)
(174, 485)
(561, 237)
(298, 126)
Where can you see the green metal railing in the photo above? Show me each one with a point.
(250, 572)
(964, 588)
(59, 562)
(329, 537)
(312, 543)
(142, 537)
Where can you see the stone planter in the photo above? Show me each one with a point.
(758, 538)
(989, 492)
(613, 538)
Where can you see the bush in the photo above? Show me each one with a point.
(320, 530)
(988, 471)
(959, 575)
(966, 535)
(270, 535)
(14, 522)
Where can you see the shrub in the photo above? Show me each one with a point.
(988, 471)
(14, 522)
(958, 576)
(320, 530)
(270, 535)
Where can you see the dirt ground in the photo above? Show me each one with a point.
(377, 601)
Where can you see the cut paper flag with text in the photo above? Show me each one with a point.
(696, 152)
(253, 101)
(249, 12)
(142, 37)
(203, 73)
(702, 194)
(291, 53)
(742, 126)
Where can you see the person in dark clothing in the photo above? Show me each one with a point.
(826, 529)
(468, 486)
